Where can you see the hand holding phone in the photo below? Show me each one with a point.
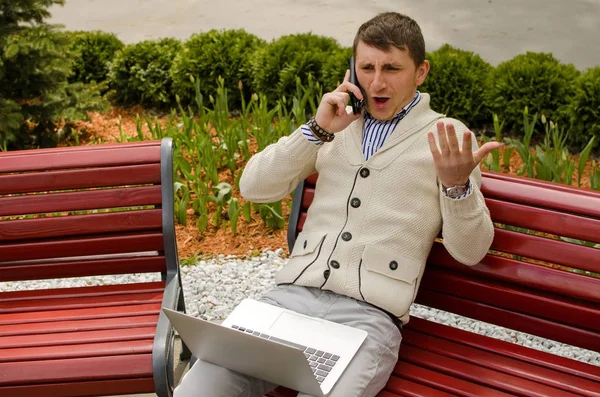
(332, 115)
(357, 104)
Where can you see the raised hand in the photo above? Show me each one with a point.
(453, 165)
(331, 114)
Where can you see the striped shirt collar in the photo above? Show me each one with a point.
(376, 132)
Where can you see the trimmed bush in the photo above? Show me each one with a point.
(334, 68)
(274, 67)
(140, 73)
(456, 83)
(212, 54)
(93, 51)
(583, 110)
(536, 80)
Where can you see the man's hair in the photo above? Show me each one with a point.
(393, 29)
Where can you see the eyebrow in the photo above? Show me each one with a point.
(385, 65)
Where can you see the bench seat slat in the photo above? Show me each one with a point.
(63, 159)
(81, 225)
(73, 302)
(405, 387)
(62, 248)
(517, 321)
(501, 364)
(490, 176)
(474, 373)
(547, 250)
(82, 268)
(102, 312)
(80, 179)
(525, 274)
(56, 352)
(77, 369)
(534, 303)
(82, 389)
(44, 328)
(574, 201)
(77, 338)
(77, 292)
(544, 220)
(82, 200)
(506, 349)
(431, 378)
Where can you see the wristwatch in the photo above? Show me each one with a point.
(456, 191)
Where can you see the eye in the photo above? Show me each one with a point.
(367, 67)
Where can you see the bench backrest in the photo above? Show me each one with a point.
(88, 210)
(533, 279)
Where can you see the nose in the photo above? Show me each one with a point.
(378, 83)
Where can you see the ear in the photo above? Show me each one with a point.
(422, 71)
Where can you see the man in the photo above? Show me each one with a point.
(385, 190)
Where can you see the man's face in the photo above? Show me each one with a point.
(389, 79)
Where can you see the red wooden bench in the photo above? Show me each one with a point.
(91, 340)
(556, 302)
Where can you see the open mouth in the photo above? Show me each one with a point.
(380, 101)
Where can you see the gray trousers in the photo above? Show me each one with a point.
(366, 375)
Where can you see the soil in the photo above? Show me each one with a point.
(252, 237)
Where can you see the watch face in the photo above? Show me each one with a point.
(456, 191)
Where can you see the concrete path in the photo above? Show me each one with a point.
(495, 29)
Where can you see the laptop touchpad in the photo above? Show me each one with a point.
(290, 324)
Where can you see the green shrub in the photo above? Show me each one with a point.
(274, 67)
(93, 51)
(140, 73)
(207, 56)
(536, 80)
(583, 110)
(334, 68)
(456, 83)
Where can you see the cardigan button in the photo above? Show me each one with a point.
(393, 265)
(355, 202)
(365, 172)
(334, 264)
(326, 274)
(346, 236)
(305, 243)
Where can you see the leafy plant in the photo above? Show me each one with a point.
(522, 147)
(36, 98)
(140, 73)
(275, 66)
(583, 110)
(536, 80)
(334, 68)
(92, 53)
(213, 54)
(456, 82)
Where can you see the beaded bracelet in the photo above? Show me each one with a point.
(319, 132)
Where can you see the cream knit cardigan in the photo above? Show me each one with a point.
(374, 251)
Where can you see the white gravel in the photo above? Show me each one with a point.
(214, 287)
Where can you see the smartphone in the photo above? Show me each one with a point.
(357, 104)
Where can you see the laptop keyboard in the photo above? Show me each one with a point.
(320, 361)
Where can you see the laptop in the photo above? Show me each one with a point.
(280, 346)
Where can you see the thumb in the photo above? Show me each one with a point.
(483, 151)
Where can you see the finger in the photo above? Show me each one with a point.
(484, 151)
(441, 129)
(347, 76)
(433, 147)
(340, 101)
(452, 139)
(347, 86)
(467, 143)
